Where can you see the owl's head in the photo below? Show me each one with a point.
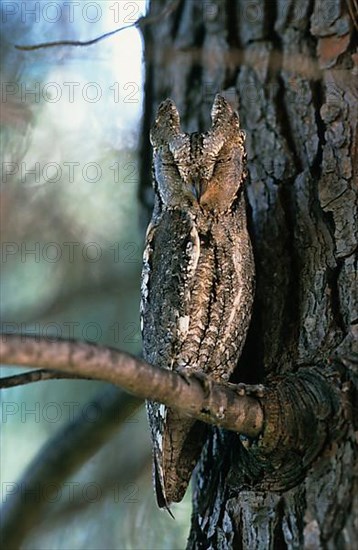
(205, 171)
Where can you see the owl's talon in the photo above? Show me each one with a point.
(251, 390)
(199, 375)
(184, 374)
(205, 381)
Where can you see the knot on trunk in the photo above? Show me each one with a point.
(303, 413)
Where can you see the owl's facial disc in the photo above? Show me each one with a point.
(205, 170)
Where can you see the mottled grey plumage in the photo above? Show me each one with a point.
(198, 274)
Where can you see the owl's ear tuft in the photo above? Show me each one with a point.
(220, 109)
(167, 123)
(223, 114)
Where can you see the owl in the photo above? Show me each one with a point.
(198, 275)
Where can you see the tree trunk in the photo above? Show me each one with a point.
(292, 69)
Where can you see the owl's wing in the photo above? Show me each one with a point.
(169, 262)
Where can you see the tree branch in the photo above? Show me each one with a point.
(210, 402)
(36, 376)
(141, 22)
(296, 416)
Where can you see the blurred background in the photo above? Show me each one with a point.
(71, 251)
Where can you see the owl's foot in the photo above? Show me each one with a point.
(251, 390)
(188, 374)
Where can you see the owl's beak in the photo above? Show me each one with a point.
(198, 188)
(195, 189)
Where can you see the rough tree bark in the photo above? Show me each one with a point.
(293, 67)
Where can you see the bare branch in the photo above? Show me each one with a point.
(210, 402)
(75, 42)
(36, 376)
(141, 22)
